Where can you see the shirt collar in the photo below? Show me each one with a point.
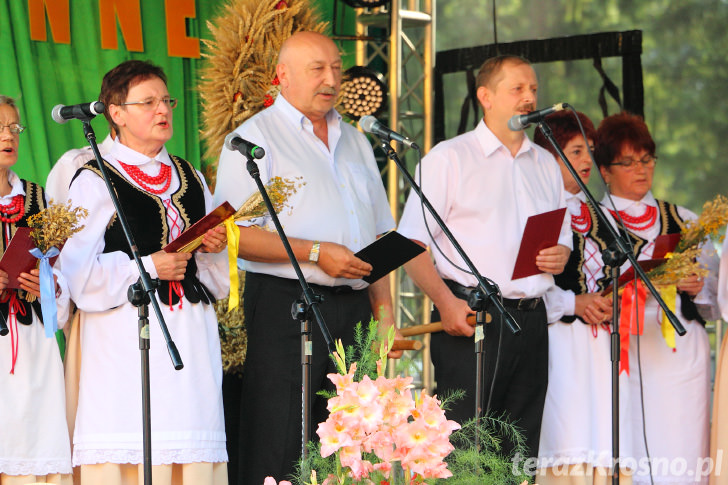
(297, 118)
(580, 196)
(16, 185)
(301, 122)
(490, 143)
(622, 204)
(132, 157)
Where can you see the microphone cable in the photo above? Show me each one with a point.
(466, 271)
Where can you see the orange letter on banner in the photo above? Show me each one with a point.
(130, 22)
(178, 44)
(58, 16)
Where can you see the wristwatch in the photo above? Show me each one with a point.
(313, 256)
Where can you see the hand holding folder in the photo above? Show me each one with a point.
(388, 253)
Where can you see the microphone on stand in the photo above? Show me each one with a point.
(371, 125)
(234, 142)
(519, 122)
(83, 111)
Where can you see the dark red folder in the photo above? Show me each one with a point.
(541, 232)
(17, 258)
(216, 217)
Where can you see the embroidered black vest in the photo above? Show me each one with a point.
(34, 203)
(147, 219)
(573, 277)
(670, 223)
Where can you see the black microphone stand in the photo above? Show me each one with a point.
(139, 294)
(477, 300)
(618, 251)
(301, 310)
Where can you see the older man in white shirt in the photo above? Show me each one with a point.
(341, 208)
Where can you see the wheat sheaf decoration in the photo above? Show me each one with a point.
(239, 70)
(238, 79)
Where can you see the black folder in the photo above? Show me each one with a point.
(388, 253)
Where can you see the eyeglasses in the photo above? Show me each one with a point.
(15, 128)
(150, 104)
(648, 161)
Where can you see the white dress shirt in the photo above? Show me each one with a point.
(343, 199)
(485, 196)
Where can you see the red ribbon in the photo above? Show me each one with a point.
(176, 287)
(14, 307)
(631, 319)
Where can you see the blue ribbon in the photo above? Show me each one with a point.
(47, 290)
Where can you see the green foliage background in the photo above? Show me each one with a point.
(684, 65)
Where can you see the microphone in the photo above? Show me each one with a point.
(519, 122)
(371, 125)
(234, 142)
(83, 111)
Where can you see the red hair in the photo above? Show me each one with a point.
(564, 126)
(620, 130)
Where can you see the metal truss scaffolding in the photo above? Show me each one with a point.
(399, 40)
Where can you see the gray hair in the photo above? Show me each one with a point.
(10, 102)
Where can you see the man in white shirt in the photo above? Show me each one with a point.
(485, 184)
(340, 209)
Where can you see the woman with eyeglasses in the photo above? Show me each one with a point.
(34, 444)
(669, 387)
(161, 196)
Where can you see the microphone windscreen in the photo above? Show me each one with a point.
(367, 122)
(56, 114)
(97, 107)
(229, 141)
(515, 123)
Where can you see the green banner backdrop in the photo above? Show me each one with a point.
(67, 67)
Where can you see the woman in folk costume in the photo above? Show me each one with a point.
(719, 428)
(34, 443)
(669, 375)
(576, 439)
(161, 195)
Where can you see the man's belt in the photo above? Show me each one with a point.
(522, 304)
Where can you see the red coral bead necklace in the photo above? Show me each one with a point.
(146, 181)
(12, 212)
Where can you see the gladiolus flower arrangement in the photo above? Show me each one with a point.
(381, 432)
(374, 423)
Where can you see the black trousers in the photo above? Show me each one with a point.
(270, 429)
(519, 390)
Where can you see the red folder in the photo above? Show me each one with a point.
(542, 231)
(191, 239)
(664, 244)
(17, 258)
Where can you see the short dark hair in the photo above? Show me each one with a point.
(564, 127)
(492, 67)
(620, 130)
(118, 81)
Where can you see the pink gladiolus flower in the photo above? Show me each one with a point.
(272, 481)
(333, 436)
(383, 418)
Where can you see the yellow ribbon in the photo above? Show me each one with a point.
(233, 239)
(669, 295)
